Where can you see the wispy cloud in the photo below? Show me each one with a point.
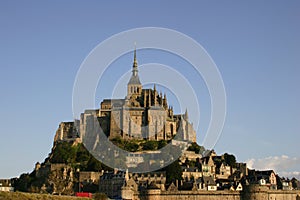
(283, 165)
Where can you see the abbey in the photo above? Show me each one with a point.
(143, 114)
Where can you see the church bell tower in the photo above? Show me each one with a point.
(134, 86)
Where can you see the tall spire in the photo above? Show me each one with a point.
(134, 85)
(135, 53)
(134, 77)
(135, 64)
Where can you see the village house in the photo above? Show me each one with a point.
(265, 177)
(111, 183)
(6, 185)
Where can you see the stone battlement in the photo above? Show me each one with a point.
(255, 194)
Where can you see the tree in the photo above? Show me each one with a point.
(161, 144)
(150, 145)
(131, 146)
(100, 196)
(196, 148)
(82, 154)
(118, 141)
(22, 184)
(93, 164)
(63, 153)
(230, 159)
(295, 183)
(173, 172)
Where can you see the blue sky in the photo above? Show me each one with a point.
(255, 44)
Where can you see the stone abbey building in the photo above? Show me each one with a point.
(143, 113)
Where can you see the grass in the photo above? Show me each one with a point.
(32, 196)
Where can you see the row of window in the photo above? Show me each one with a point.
(134, 89)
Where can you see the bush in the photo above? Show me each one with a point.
(100, 196)
(63, 153)
(173, 171)
(150, 145)
(196, 148)
(162, 143)
(131, 146)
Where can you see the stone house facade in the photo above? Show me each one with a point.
(6, 185)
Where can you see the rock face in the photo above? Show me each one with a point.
(58, 174)
(48, 178)
(66, 132)
(60, 179)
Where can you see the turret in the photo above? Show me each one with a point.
(155, 95)
(186, 115)
(165, 103)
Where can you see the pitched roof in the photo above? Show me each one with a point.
(172, 187)
(190, 169)
(208, 180)
(134, 80)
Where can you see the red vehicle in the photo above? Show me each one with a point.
(84, 194)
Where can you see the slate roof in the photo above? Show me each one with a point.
(134, 80)
(112, 175)
(190, 169)
(209, 180)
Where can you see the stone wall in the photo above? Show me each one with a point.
(263, 193)
(252, 193)
(185, 195)
(65, 132)
(92, 177)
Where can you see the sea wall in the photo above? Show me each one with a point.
(249, 193)
(186, 195)
(255, 192)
